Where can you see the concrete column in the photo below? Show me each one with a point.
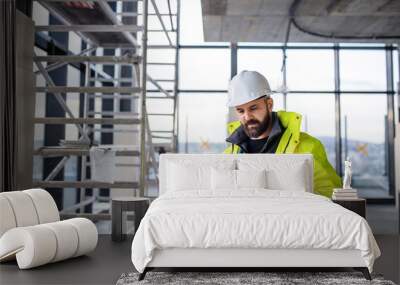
(231, 113)
(25, 100)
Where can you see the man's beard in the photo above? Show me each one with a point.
(258, 128)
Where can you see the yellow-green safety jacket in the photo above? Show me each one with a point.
(294, 141)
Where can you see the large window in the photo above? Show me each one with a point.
(316, 121)
(364, 140)
(267, 62)
(310, 70)
(396, 85)
(278, 102)
(312, 90)
(364, 132)
(202, 122)
(191, 24)
(204, 69)
(362, 70)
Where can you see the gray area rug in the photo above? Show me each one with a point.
(225, 278)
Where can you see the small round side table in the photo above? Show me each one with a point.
(139, 205)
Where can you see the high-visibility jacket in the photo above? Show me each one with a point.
(295, 141)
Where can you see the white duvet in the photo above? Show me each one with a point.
(250, 219)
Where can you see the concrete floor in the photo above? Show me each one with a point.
(102, 266)
(383, 219)
(110, 260)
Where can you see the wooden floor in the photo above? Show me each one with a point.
(110, 260)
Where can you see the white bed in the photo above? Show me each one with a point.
(200, 220)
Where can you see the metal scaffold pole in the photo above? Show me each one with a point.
(176, 85)
(143, 166)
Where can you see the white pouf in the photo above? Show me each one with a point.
(23, 209)
(37, 245)
(87, 235)
(31, 233)
(7, 219)
(46, 208)
(33, 246)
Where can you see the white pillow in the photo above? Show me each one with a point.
(222, 179)
(282, 174)
(181, 177)
(293, 180)
(187, 175)
(251, 178)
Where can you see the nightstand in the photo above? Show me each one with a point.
(357, 205)
(122, 204)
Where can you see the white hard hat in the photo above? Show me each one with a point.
(247, 86)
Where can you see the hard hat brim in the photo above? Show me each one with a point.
(234, 103)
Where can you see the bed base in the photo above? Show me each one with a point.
(363, 270)
(244, 259)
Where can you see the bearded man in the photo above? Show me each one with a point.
(261, 130)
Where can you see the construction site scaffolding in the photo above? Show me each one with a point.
(102, 26)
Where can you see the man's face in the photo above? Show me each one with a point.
(255, 116)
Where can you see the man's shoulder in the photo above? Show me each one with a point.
(309, 141)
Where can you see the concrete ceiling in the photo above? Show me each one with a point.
(267, 20)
